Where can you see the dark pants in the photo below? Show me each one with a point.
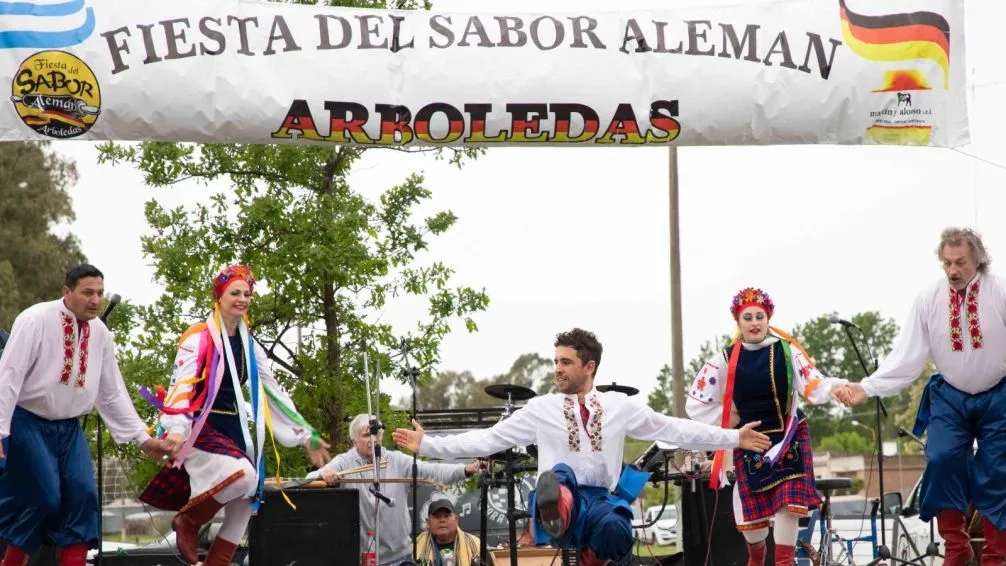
(47, 489)
(599, 521)
(953, 477)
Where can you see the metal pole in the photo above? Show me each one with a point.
(677, 349)
(101, 495)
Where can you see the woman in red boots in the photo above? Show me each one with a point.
(759, 377)
(218, 459)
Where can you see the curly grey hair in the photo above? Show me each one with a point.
(954, 236)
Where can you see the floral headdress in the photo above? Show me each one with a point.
(751, 297)
(230, 274)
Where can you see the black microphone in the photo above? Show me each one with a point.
(835, 320)
(112, 301)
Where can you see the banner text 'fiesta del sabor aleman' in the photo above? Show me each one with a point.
(782, 72)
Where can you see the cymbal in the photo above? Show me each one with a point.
(509, 391)
(630, 391)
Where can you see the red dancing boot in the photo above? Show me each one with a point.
(73, 555)
(756, 553)
(186, 526)
(14, 557)
(952, 527)
(784, 555)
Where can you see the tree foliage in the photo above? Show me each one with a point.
(457, 390)
(834, 355)
(33, 202)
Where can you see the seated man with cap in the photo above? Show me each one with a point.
(442, 537)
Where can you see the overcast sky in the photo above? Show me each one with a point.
(579, 237)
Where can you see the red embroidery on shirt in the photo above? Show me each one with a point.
(970, 309)
(64, 377)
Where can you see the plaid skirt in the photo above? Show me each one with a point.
(170, 490)
(797, 495)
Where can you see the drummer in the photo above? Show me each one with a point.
(395, 542)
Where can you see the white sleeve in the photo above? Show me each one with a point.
(19, 356)
(520, 429)
(647, 424)
(184, 375)
(288, 426)
(814, 386)
(705, 398)
(907, 358)
(114, 404)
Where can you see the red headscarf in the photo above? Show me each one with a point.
(230, 274)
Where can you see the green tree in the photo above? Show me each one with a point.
(445, 390)
(661, 398)
(848, 442)
(833, 354)
(33, 200)
(331, 261)
(457, 390)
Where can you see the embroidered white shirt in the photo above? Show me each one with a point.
(927, 332)
(553, 422)
(54, 370)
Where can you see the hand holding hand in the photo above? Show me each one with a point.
(753, 440)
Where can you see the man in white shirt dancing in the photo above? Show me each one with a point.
(58, 364)
(580, 433)
(961, 322)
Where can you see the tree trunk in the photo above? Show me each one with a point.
(333, 351)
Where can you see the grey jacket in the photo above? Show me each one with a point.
(396, 527)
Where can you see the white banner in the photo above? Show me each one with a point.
(784, 72)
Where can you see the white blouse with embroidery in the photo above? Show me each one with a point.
(705, 399)
(57, 369)
(966, 338)
(553, 422)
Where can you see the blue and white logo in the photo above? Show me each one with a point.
(41, 24)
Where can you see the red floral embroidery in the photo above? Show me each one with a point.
(701, 383)
(970, 307)
(974, 329)
(64, 378)
(596, 440)
(85, 338)
(69, 351)
(573, 435)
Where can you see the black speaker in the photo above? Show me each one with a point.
(710, 528)
(323, 530)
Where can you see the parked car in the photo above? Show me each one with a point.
(664, 528)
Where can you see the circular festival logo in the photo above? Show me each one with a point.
(56, 94)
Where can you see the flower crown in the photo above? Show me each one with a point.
(230, 274)
(751, 297)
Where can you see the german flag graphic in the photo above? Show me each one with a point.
(900, 81)
(898, 37)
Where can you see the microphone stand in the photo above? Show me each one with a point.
(883, 552)
(932, 549)
(375, 447)
(114, 300)
(412, 373)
